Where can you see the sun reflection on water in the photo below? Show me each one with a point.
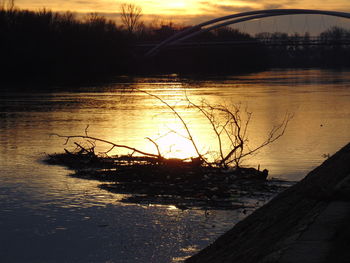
(156, 120)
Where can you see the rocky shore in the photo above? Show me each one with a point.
(305, 223)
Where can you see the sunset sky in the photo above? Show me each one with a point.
(187, 11)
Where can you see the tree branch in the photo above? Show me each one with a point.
(105, 141)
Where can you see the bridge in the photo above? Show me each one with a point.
(268, 41)
(206, 26)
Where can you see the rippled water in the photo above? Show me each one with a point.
(47, 216)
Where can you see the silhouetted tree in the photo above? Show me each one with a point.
(131, 15)
(335, 34)
(7, 4)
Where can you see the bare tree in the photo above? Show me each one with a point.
(7, 5)
(131, 15)
(94, 18)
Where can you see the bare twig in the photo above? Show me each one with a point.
(275, 133)
(86, 130)
(156, 145)
(209, 116)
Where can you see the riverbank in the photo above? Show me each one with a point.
(305, 223)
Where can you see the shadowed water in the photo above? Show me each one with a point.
(52, 217)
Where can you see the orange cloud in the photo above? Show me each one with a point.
(182, 8)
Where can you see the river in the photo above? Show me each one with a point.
(48, 216)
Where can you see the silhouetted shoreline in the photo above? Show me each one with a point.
(57, 48)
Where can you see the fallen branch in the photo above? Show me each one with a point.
(114, 145)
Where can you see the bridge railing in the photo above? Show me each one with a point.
(267, 41)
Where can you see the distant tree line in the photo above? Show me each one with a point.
(48, 45)
(45, 45)
(330, 48)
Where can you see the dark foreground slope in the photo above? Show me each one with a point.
(273, 232)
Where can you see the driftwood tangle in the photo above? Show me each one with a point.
(185, 184)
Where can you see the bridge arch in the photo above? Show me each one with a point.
(234, 19)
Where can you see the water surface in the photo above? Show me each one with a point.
(51, 217)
